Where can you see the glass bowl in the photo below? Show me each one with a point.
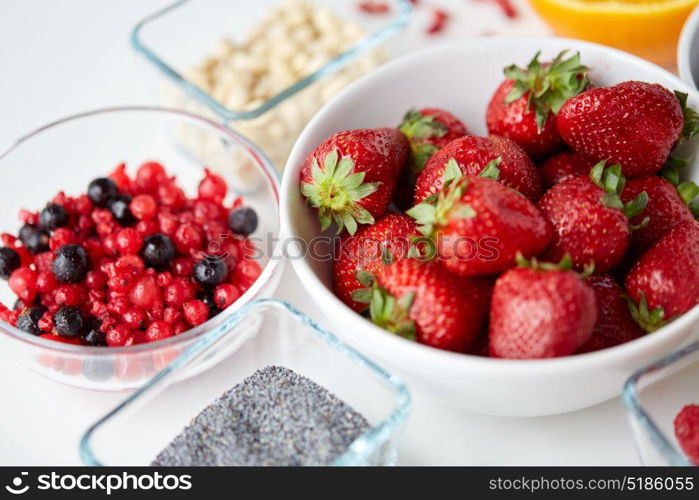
(67, 155)
(289, 339)
(653, 396)
(274, 122)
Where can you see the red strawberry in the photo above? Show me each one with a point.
(614, 324)
(428, 130)
(524, 106)
(687, 431)
(367, 251)
(479, 226)
(589, 220)
(350, 177)
(665, 208)
(423, 301)
(563, 166)
(543, 311)
(664, 282)
(635, 124)
(473, 154)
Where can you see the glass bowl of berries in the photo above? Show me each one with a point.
(119, 248)
(663, 405)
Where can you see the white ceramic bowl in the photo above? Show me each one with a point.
(461, 78)
(688, 50)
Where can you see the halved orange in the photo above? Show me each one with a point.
(648, 28)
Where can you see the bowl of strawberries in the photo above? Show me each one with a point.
(508, 222)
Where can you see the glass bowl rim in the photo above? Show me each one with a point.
(261, 161)
(358, 451)
(636, 411)
(369, 41)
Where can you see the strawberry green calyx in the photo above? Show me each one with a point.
(548, 86)
(384, 309)
(418, 127)
(671, 170)
(611, 180)
(691, 117)
(565, 264)
(336, 193)
(436, 211)
(649, 320)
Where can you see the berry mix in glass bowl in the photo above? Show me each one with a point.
(130, 261)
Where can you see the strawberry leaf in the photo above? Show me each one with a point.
(418, 127)
(596, 173)
(336, 193)
(452, 171)
(365, 278)
(691, 117)
(636, 206)
(688, 190)
(547, 86)
(491, 170)
(393, 314)
(649, 320)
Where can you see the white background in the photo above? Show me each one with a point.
(59, 57)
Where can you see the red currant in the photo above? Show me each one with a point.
(159, 330)
(195, 312)
(143, 207)
(225, 294)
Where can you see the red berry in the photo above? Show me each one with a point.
(129, 241)
(159, 330)
(225, 295)
(187, 238)
(687, 431)
(183, 266)
(146, 293)
(163, 279)
(147, 227)
(178, 292)
(121, 178)
(134, 318)
(71, 295)
(212, 187)
(143, 207)
(46, 282)
(195, 312)
(171, 195)
(95, 279)
(23, 283)
(168, 223)
(181, 327)
(118, 335)
(172, 315)
(62, 236)
(150, 175)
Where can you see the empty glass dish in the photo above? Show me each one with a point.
(653, 397)
(263, 333)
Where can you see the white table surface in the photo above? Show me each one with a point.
(57, 58)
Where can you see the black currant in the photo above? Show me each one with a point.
(101, 190)
(243, 221)
(119, 206)
(52, 217)
(70, 264)
(210, 272)
(68, 321)
(158, 250)
(9, 261)
(34, 239)
(28, 319)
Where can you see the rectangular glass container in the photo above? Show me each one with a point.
(263, 333)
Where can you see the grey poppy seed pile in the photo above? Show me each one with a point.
(275, 417)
